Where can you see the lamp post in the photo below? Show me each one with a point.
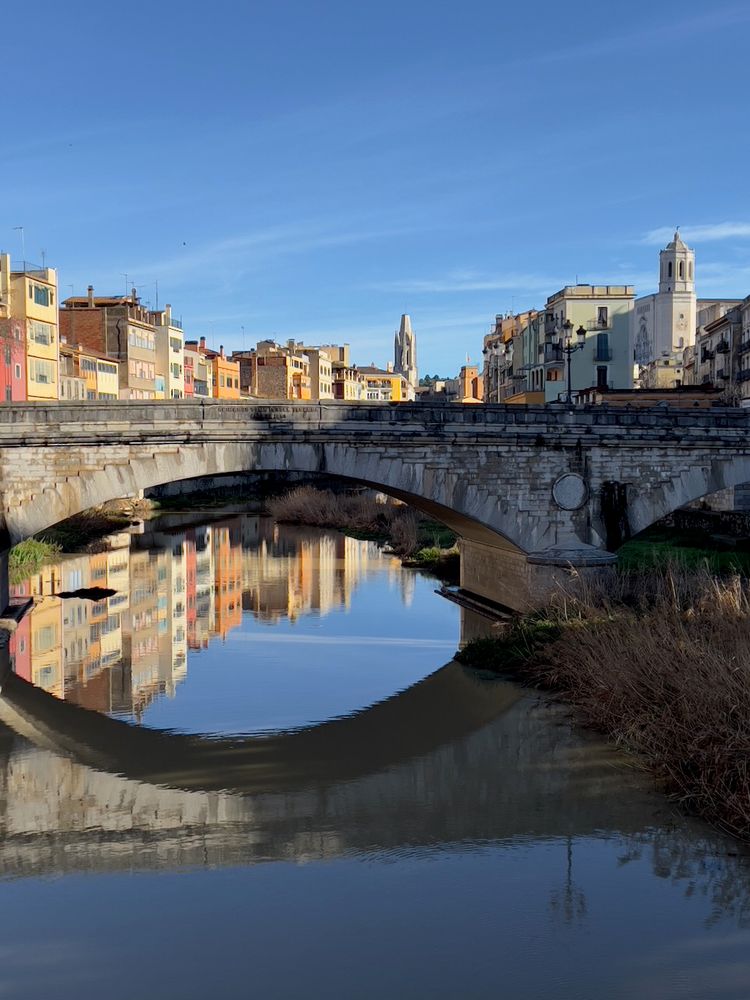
(569, 348)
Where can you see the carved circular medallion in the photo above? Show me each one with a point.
(570, 491)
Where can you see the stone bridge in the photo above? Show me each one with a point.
(530, 490)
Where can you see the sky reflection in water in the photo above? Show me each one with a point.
(461, 840)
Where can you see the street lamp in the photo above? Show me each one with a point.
(569, 348)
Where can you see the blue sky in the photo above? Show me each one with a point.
(314, 169)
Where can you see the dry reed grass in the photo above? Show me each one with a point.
(659, 661)
(361, 513)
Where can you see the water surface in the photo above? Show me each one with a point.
(254, 771)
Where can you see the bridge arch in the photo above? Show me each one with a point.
(687, 485)
(435, 492)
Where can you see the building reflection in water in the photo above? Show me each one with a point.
(176, 590)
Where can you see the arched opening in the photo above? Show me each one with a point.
(669, 269)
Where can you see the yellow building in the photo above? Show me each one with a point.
(34, 300)
(97, 374)
(383, 386)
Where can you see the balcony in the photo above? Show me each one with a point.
(744, 347)
(707, 355)
(722, 347)
(553, 353)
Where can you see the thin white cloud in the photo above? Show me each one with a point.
(699, 234)
(253, 249)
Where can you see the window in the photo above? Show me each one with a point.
(41, 372)
(18, 371)
(41, 295)
(602, 316)
(669, 269)
(105, 368)
(141, 338)
(87, 365)
(141, 369)
(8, 394)
(602, 347)
(601, 377)
(41, 333)
(221, 380)
(7, 354)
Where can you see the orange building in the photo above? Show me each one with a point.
(226, 373)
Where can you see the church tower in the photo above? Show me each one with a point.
(676, 304)
(677, 263)
(405, 352)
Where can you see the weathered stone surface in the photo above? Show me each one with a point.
(488, 472)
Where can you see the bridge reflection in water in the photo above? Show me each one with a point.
(455, 760)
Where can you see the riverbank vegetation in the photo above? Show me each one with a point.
(28, 557)
(692, 548)
(420, 541)
(659, 661)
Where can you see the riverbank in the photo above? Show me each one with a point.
(659, 663)
(420, 542)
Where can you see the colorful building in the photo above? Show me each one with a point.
(383, 385)
(120, 328)
(87, 374)
(28, 319)
(169, 352)
(12, 342)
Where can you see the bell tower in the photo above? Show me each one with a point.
(405, 352)
(676, 302)
(677, 267)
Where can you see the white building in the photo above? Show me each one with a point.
(664, 323)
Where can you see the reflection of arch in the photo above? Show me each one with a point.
(446, 705)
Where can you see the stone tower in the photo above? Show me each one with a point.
(676, 315)
(405, 352)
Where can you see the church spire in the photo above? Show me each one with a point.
(405, 352)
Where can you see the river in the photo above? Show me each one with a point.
(250, 768)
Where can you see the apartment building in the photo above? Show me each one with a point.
(347, 382)
(280, 372)
(12, 342)
(87, 374)
(28, 327)
(223, 382)
(122, 329)
(198, 371)
(594, 318)
(383, 385)
(169, 352)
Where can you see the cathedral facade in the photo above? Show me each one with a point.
(665, 323)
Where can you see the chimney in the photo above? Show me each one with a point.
(202, 345)
(389, 366)
(221, 350)
(168, 314)
(91, 296)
